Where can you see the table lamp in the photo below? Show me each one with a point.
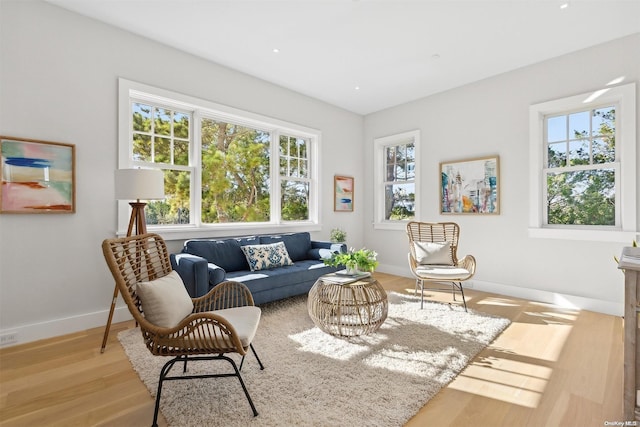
(139, 184)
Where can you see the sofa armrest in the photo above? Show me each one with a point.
(333, 247)
(322, 250)
(194, 271)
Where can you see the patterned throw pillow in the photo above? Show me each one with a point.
(263, 257)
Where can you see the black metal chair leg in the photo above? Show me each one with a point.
(163, 374)
(464, 300)
(244, 387)
(257, 358)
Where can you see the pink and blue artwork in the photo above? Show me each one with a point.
(343, 194)
(37, 176)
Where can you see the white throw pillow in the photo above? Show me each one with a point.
(433, 253)
(165, 301)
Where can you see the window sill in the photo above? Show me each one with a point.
(592, 235)
(227, 230)
(391, 225)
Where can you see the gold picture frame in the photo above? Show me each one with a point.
(343, 193)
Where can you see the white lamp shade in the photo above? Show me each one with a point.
(139, 184)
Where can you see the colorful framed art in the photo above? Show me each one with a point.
(37, 176)
(470, 186)
(342, 193)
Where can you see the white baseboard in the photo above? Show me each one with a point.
(561, 300)
(67, 325)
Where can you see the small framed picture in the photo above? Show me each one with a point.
(37, 176)
(470, 186)
(342, 193)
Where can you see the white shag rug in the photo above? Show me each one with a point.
(314, 379)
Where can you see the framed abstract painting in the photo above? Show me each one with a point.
(470, 186)
(37, 176)
(342, 193)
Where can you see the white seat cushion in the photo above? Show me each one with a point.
(245, 320)
(165, 301)
(444, 272)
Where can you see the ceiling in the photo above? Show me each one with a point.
(369, 55)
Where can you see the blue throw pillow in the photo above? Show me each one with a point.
(297, 244)
(262, 257)
(225, 253)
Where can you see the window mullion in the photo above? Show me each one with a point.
(195, 161)
(276, 180)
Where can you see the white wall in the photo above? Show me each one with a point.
(58, 82)
(491, 117)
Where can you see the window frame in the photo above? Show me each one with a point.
(130, 91)
(623, 97)
(380, 144)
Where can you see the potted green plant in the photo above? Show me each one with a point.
(338, 235)
(362, 260)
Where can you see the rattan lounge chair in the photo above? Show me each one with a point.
(433, 257)
(223, 321)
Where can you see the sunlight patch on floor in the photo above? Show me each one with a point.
(534, 339)
(517, 383)
(315, 341)
(516, 368)
(553, 317)
(504, 302)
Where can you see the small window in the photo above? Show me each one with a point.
(294, 178)
(583, 172)
(161, 139)
(581, 168)
(396, 178)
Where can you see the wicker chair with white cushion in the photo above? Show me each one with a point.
(433, 256)
(172, 323)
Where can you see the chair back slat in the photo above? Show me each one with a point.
(434, 232)
(136, 259)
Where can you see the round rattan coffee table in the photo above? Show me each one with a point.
(347, 309)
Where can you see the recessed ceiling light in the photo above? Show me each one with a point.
(357, 88)
(276, 50)
(564, 6)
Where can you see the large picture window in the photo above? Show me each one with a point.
(224, 168)
(583, 172)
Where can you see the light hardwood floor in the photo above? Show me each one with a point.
(550, 367)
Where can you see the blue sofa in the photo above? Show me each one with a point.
(203, 263)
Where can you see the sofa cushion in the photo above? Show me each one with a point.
(225, 253)
(262, 257)
(433, 253)
(165, 301)
(298, 244)
(244, 320)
